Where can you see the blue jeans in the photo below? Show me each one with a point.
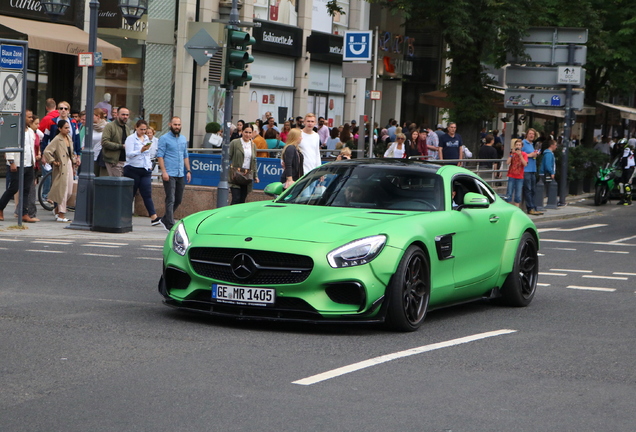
(529, 183)
(515, 188)
(46, 187)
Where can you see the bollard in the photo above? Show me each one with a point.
(553, 189)
(539, 194)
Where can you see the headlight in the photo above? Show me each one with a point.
(180, 241)
(357, 252)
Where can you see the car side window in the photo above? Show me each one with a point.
(464, 184)
(486, 191)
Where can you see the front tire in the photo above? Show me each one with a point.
(521, 284)
(601, 194)
(409, 292)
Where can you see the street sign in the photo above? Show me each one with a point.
(357, 45)
(201, 47)
(526, 76)
(11, 57)
(557, 35)
(11, 95)
(85, 59)
(375, 95)
(357, 70)
(550, 55)
(571, 75)
(544, 99)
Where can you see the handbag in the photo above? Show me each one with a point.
(241, 176)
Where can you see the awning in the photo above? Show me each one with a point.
(59, 38)
(625, 112)
(549, 114)
(439, 99)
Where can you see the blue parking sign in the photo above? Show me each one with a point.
(357, 45)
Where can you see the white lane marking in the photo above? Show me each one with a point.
(583, 227)
(109, 243)
(605, 277)
(150, 250)
(151, 258)
(542, 284)
(388, 357)
(571, 270)
(102, 255)
(572, 229)
(584, 242)
(42, 250)
(4, 248)
(11, 240)
(616, 252)
(100, 245)
(552, 274)
(567, 249)
(624, 274)
(540, 254)
(623, 239)
(591, 288)
(54, 242)
(153, 246)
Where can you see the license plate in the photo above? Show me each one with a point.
(243, 295)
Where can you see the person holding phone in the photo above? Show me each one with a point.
(138, 167)
(517, 161)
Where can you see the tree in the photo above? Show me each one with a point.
(475, 31)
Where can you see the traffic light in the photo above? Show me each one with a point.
(236, 58)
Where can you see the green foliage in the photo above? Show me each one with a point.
(212, 127)
(334, 8)
(583, 162)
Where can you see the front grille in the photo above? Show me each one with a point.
(271, 268)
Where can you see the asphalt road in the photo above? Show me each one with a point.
(86, 345)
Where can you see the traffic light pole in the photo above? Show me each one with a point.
(222, 193)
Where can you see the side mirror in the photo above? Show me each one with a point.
(274, 189)
(475, 200)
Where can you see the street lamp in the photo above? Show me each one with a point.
(132, 10)
(55, 8)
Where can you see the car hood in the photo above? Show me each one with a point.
(297, 222)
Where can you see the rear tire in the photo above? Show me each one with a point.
(46, 205)
(521, 284)
(409, 292)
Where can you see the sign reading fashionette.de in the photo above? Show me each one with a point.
(278, 39)
(33, 10)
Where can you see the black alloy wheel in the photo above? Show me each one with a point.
(409, 292)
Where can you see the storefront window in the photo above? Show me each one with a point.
(279, 11)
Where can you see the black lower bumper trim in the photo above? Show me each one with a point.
(240, 313)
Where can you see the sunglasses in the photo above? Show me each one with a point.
(63, 108)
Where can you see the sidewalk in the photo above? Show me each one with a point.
(49, 228)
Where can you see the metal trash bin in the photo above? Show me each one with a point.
(112, 204)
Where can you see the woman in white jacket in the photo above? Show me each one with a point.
(397, 149)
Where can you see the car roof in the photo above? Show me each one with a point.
(392, 163)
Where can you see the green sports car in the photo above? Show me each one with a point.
(367, 240)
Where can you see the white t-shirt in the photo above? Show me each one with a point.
(310, 148)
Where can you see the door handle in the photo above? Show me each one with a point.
(494, 218)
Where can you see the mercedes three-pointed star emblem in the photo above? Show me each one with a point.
(243, 266)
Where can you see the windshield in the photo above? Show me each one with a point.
(368, 186)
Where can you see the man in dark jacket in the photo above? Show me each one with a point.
(113, 140)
